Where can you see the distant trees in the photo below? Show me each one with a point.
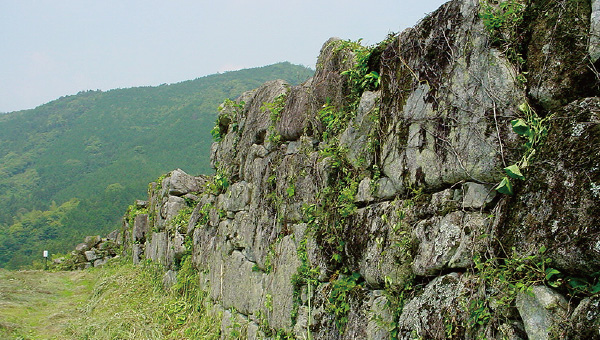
(95, 152)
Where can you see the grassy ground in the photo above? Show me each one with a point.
(39, 304)
(119, 301)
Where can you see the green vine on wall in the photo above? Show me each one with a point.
(339, 296)
(534, 129)
(504, 20)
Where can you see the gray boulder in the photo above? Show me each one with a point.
(140, 228)
(542, 311)
(448, 242)
(91, 255)
(179, 183)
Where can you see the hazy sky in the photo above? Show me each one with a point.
(52, 48)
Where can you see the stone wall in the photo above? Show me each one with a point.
(94, 251)
(388, 224)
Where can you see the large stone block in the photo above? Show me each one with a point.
(425, 315)
(237, 197)
(542, 311)
(446, 106)
(448, 242)
(157, 248)
(179, 183)
(140, 228)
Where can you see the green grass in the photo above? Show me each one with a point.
(119, 301)
(40, 305)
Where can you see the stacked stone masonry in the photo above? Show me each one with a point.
(425, 208)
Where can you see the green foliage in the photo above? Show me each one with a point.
(503, 20)
(335, 204)
(218, 183)
(396, 297)
(580, 285)
(132, 211)
(305, 276)
(576, 286)
(339, 296)
(284, 335)
(500, 16)
(229, 111)
(35, 231)
(28, 298)
(204, 214)
(275, 108)
(361, 77)
(181, 220)
(77, 146)
(334, 121)
(514, 171)
(291, 190)
(534, 129)
(505, 186)
(503, 279)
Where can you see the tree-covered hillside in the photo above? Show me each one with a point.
(69, 168)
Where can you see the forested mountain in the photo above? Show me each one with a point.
(70, 167)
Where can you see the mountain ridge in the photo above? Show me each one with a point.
(100, 146)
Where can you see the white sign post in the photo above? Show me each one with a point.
(45, 259)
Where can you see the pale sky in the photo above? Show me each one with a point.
(53, 48)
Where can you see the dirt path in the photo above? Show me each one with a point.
(41, 305)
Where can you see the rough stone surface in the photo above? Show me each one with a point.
(378, 326)
(363, 193)
(421, 315)
(295, 116)
(238, 197)
(385, 188)
(169, 279)
(172, 207)
(140, 228)
(285, 266)
(114, 235)
(92, 241)
(179, 183)
(439, 129)
(141, 204)
(356, 137)
(477, 195)
(557, 56)
(594, 45)
(86, 256)
(81, 247)
(586, 319)
(157, 249)
(100, 262)
(90, 255)
(137, 251)
(447, 242)
(542, 312)
(557, 206)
